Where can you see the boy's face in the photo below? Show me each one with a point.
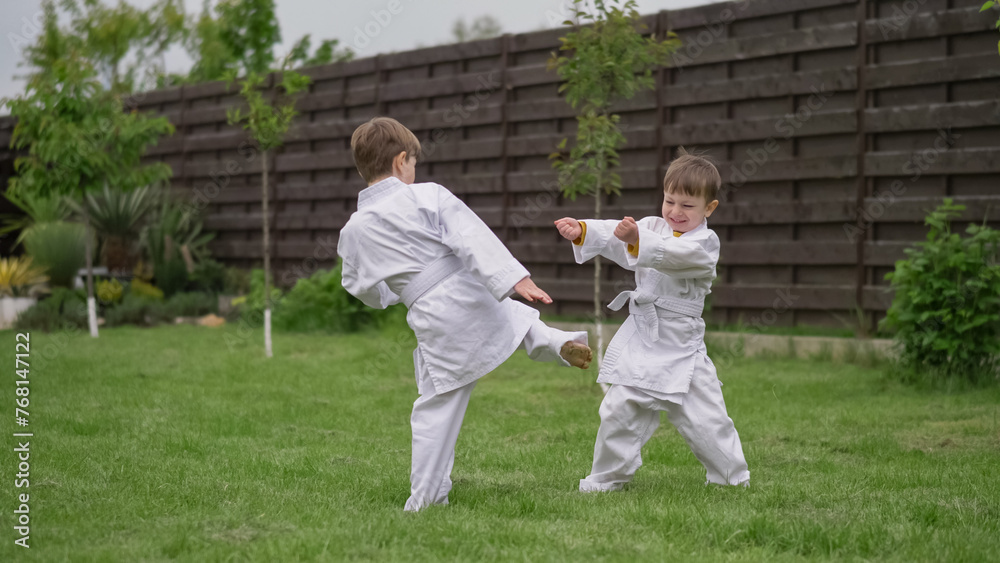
(684, 212)
(404, 167)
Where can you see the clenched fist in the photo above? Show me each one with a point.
(627, 231)
(569, 228)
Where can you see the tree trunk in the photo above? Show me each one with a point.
(267, 262)
(91, 302)
(598, 310)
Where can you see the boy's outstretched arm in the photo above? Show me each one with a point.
(671, 255)
(475, 244)
(593, 237)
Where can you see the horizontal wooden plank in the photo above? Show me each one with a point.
(708, 14)
(772, 44)
(813, 253)
(547, 39)
(535, 110)
(750, 170)
(915, 209)
(733, 130)
(933, 116)
(767, 86)
(545, 181)
(482, 85)
(442, 53)
(279, 221)
(230, 167)
(355, 67)
(155, 97)
(166, 145)
(320, 250)
(530, 75)
(320, 160)
(936, 159)
(884, 253)
(543, 145)
(422, 123)
(784, 212)
(931, 71)
(929, 24)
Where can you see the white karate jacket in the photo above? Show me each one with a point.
(657, 346)
(465, 326)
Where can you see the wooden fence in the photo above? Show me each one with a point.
(837, 125)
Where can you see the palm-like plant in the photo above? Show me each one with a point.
(55, 244)
(117, 217)
(37, 209)
(20, 278)
(171, 228)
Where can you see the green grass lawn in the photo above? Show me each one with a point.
(167, 443)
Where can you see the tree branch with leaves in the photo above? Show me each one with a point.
(267, 118)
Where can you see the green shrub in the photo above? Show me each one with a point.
(237, 282)
(192, 304)
(64, 309)
(252, 306)
(209, 276)
(171, 276)
(321, 303)
(59, 247)
(140, 288)
(110, 291)
(946, 309)
(134, 310)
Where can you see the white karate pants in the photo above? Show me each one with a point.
(437, 419)
(629, 416)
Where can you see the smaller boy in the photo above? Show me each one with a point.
(420, 245)
(657, 360)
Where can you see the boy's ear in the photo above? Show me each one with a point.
(399, 160)
(711, 207)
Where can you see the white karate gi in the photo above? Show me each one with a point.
(464, 323)
(657, 360)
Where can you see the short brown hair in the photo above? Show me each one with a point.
(376, 142)
(693, 175)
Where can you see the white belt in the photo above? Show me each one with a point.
(646, 303)
(435, 273)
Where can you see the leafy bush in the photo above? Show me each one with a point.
(171, 276)
(59, 247)
(946, 310)
(237, 282)
(135, 310)
(140, 288)
(192, 304)
(253, 303)
(63, 310)
(20, 278)
(209, 275)
(110, 291)
(320, 302)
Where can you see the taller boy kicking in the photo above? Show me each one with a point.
(420, 245)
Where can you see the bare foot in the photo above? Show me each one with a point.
(578, 355)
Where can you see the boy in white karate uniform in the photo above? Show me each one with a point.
(420, 245)
(657, 360)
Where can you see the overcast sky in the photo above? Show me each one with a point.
(416, 23)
